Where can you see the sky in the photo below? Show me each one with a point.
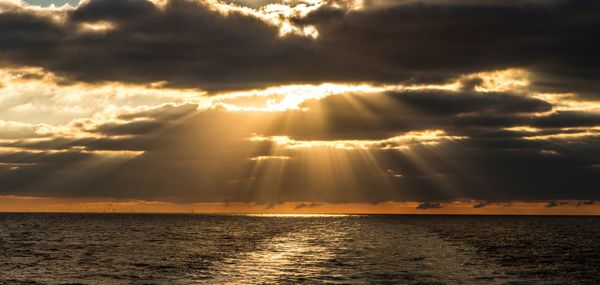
(403, 106)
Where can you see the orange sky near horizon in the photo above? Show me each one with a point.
(91, 205)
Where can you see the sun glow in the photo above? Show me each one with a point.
(427, 137)
(523, 129)
(280, 15)
(508, 80)
(567, 133)
(568, 102)
(270, 157)
(101, 26)
(291, 97)
(288, 97)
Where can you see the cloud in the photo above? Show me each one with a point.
(481, 204)
(305, 205)
(568, 119)
(385, 114)
(129, 128)
(108, 99)
(428, 205)
(184, 153)
(12, 130)
(553, 204)
(386, 43)
(586, 203)
(456, 42)
(207, 49)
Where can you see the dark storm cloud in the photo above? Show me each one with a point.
(568, 119)
(440, 103)
(109, 10)
(187, 44)
(387, 114)
(432, 41)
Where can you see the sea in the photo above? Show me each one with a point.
(45, 248)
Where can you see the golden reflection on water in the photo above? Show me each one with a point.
(295, 254)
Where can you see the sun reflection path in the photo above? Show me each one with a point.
(291, 256)
(351, 250)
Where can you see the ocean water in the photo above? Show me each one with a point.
(221, 249)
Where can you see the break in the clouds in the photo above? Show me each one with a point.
(301, 101)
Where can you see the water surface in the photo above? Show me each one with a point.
(218, 249)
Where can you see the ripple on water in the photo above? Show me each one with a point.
(209, 249)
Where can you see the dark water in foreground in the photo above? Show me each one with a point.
(212, 249)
